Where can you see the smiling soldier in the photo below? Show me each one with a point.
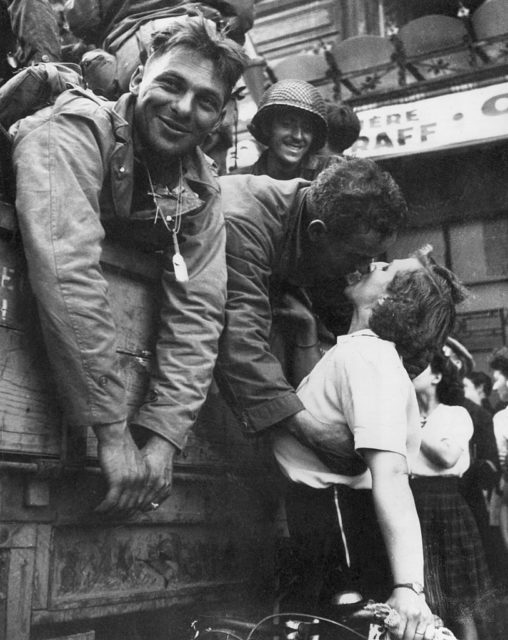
(131, 169)
(291, 122)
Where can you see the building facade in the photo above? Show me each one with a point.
(429, 81)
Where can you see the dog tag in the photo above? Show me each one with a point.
(181, 274)
(179, 266)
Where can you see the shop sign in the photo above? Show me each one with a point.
(441, 122)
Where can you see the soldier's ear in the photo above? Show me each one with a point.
(135, 80)
(317, 230)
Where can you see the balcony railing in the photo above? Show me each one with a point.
(423, 51)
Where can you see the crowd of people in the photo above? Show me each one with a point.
(272, 283)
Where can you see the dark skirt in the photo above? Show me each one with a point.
(322, 565)
(457, 580)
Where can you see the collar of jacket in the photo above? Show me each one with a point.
(292, 250)
(197, 171)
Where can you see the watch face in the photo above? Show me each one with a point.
(416, 586)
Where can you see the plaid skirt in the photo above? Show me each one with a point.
(457, 581)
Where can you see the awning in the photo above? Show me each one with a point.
(463, 117)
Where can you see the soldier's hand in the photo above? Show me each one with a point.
(297, 314)
(158, 454)
(124, 468)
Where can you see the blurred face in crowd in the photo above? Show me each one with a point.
(500, 384)
(180, 100)
(471, 392)
(291, 135)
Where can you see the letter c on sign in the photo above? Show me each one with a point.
(496, 106)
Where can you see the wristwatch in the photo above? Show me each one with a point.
(414, 586)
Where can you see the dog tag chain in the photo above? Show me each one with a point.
(172, 223)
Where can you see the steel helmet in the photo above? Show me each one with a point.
(296, 94)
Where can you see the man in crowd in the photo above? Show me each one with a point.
(291, 123)
(343, 128)
(133, 170)
(301, 132)
(299, 237)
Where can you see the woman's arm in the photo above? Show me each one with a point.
(444, 443)
(443, 452)
(400, 528)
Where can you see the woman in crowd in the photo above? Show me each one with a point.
(499, 366)
(484, 471)
(499, 508)
(362, 428)
(456, 573)
(478, 387)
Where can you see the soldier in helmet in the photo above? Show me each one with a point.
(291, 123)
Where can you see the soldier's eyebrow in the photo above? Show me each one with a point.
(202, 91)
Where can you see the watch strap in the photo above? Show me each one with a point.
(414, 586)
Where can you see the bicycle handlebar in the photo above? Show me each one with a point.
(384, 616)
(380, 616)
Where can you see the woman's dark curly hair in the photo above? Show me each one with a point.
(418, 311)
(354, 195)
(450, 389)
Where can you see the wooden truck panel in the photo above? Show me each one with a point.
(60, 563)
